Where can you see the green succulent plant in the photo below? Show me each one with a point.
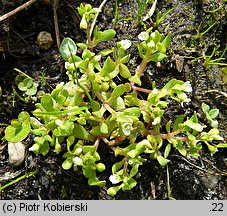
(93, 108)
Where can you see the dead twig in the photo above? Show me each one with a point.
(57, 35)
(217, 91)
(11, 13)
(96, 16)
(220, 173)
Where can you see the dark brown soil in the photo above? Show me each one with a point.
(19, 49)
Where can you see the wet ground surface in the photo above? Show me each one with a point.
(190, 178)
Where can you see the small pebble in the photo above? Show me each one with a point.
(210, 181)
(44, 40)
(16, 153)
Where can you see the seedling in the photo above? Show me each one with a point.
(200, 34)
(210, 114)
(158, 18)
(218, 61)
(142, 7)
(25, 83)
(209, 61)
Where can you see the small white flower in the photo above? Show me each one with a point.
(151, 44)
(187, 87)
(83, 23)
(58, 122)
(78, 151)
(187, 100)
(125, 44)
(34, 148)
(69, 66)
(114, 179)
(97, 57)
(155, 91)
(143, 36)
(156, 121)
(183, 97)
(126, 128)
(130, 161)
(78, 161)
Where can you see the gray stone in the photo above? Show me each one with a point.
(16, 153)
(44, 40)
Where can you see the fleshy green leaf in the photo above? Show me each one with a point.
(102, 36)
(162, 161)
(28, 82)
(81, 133)
(133, 111)
(67, 164)
(118, 104)
(31, 91)
(213, 113)
(168, 125)
(23, 116)
(22, 87)
(124, 71)
(156, 36)
(195, 126)
(136, 79)
(131, 183)
(87, 149)
(211, 148)
(177, 122)
(167, 41)
(96, 182)
(112, 191)
(105, 52)
(205, 108)
(157, 57)
(134, 171)
(47, 102)
(103, 128)
(68, 48)
(108, 67)
(221, 145)
(167, 150)
(180, 147)
(18, 133)
(161, 48)
(117, 166)
(117, 92)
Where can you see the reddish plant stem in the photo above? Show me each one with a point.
(143, 64)
(125, 165)
(140, 89)
(89, 41)
(169, 135)
(105, 104)
(97, 141)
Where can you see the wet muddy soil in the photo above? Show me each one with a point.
(189, 178)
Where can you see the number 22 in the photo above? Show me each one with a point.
(217, 207)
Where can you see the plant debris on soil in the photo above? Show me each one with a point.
(203, 178)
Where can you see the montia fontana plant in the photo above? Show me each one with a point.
(94, 109)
